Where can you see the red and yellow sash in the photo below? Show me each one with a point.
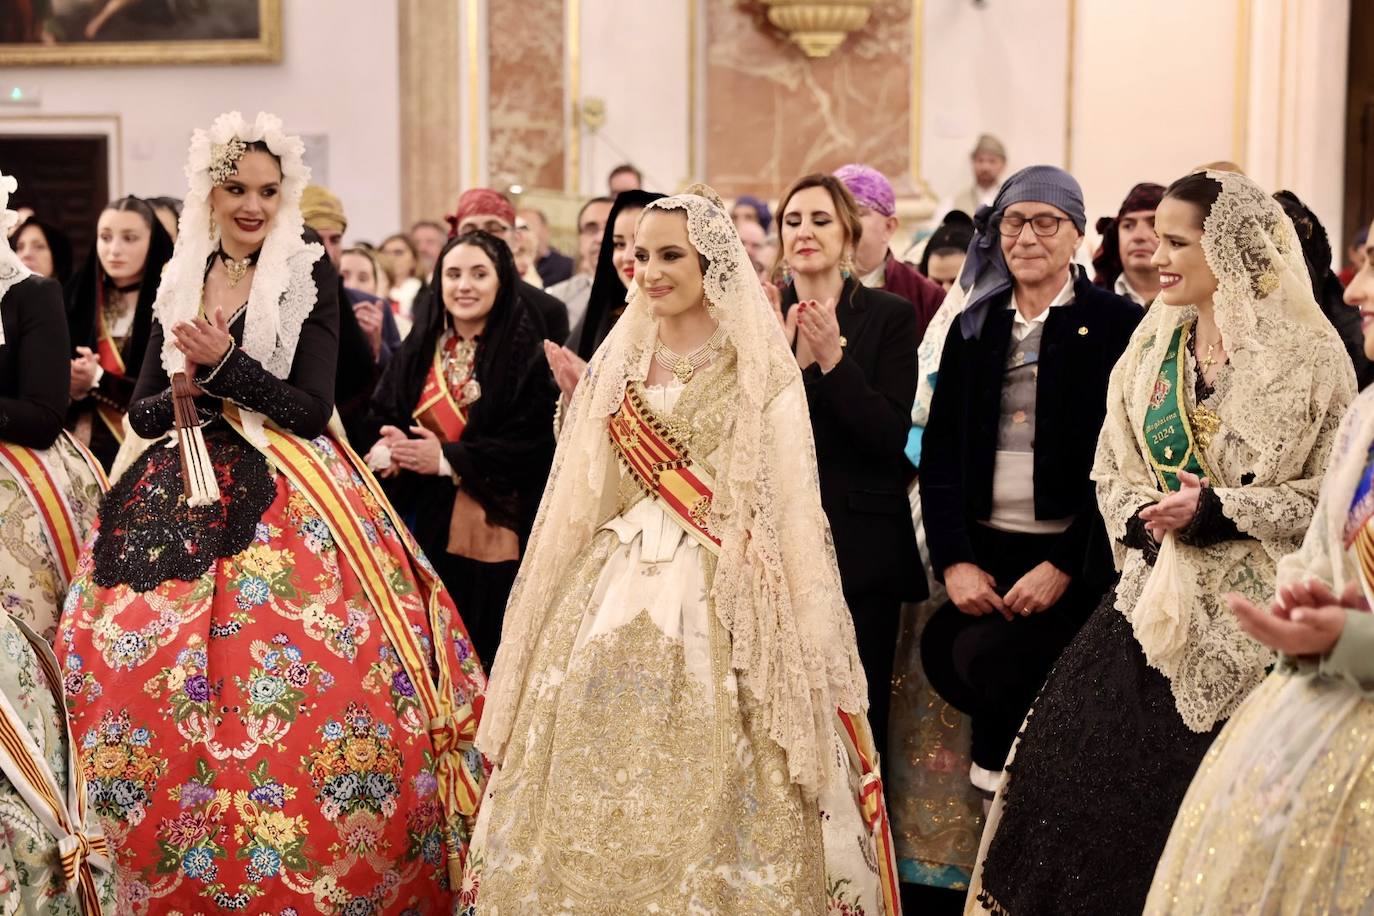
(451, 728)
(29, 469)
(25, 767)
(112, 362)
(110, 359)
(858, 741)
(438, 410)
(664, 469)
(661, 465)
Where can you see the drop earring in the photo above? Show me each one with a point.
(846, 266)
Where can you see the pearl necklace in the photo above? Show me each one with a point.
(684, 365)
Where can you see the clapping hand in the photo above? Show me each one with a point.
(819, 329)
(1305, 619)
(568, 368)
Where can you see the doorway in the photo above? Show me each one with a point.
(64, 179)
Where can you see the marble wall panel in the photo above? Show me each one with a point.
(773, 114)
(526, 109)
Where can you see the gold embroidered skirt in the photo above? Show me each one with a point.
(1280, 817)
(637, 779)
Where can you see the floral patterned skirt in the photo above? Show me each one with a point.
(250, 739)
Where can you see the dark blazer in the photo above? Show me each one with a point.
(551, 311)
(1080, 344)
(860, 414)
(35, 368)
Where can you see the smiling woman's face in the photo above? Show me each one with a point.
(1185, 277)
(667, 268)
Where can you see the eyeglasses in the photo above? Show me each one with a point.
(592, 229)
(491, 227)
(1043, 225)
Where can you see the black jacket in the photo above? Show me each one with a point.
(35, 373)
(1080, 344)
(860, 415)
(303, 402)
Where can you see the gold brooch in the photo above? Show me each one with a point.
(1083, 331)
(1206, 423)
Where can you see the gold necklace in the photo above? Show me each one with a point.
(1209, 360)
(684, 365)
(237, 270)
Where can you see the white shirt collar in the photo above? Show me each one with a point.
(1123, 287)
(1065, 296)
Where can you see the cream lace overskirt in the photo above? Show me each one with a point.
(637, 778)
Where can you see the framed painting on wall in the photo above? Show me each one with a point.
(105, 32)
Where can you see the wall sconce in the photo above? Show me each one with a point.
(818, 28)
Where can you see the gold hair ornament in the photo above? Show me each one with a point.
(224, 159)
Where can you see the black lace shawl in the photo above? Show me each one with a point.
(504, 456)
(606, 300)
(85, 294)
(147, 532)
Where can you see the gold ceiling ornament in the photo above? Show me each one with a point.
(818, 28)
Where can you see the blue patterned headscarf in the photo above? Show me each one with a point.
(985, 273)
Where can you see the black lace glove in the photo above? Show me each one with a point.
(1139, 538)
(1209, 525)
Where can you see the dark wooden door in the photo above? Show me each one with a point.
(1359, 126)
(64, 179)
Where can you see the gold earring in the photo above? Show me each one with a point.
(847, 265)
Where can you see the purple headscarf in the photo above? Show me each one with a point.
(869, 186)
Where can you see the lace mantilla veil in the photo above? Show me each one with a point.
(776, 588)
(1290, 381)
(283, 292)
(12, 270)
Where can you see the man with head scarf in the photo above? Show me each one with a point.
(491, 211)
(877, 267)
(1010, 515)
(1124, 262)
(368, 335)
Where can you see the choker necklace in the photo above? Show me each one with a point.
(685, 365)
(237, 270)
(127, 289)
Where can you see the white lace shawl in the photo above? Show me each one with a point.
(1288, 384)
(12, 270)
(777, 586)
(1323, 554)
(283, 292)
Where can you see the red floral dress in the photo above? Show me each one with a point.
(250, 739)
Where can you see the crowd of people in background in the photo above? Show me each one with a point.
(976, 388)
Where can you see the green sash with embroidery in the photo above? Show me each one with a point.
(1169, 440)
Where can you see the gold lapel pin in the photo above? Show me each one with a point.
(1083, 331)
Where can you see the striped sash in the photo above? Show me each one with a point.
(112, 362)
(29, 468)
(28, 772)
(451, 728)
(660, 463)
(438, 410)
